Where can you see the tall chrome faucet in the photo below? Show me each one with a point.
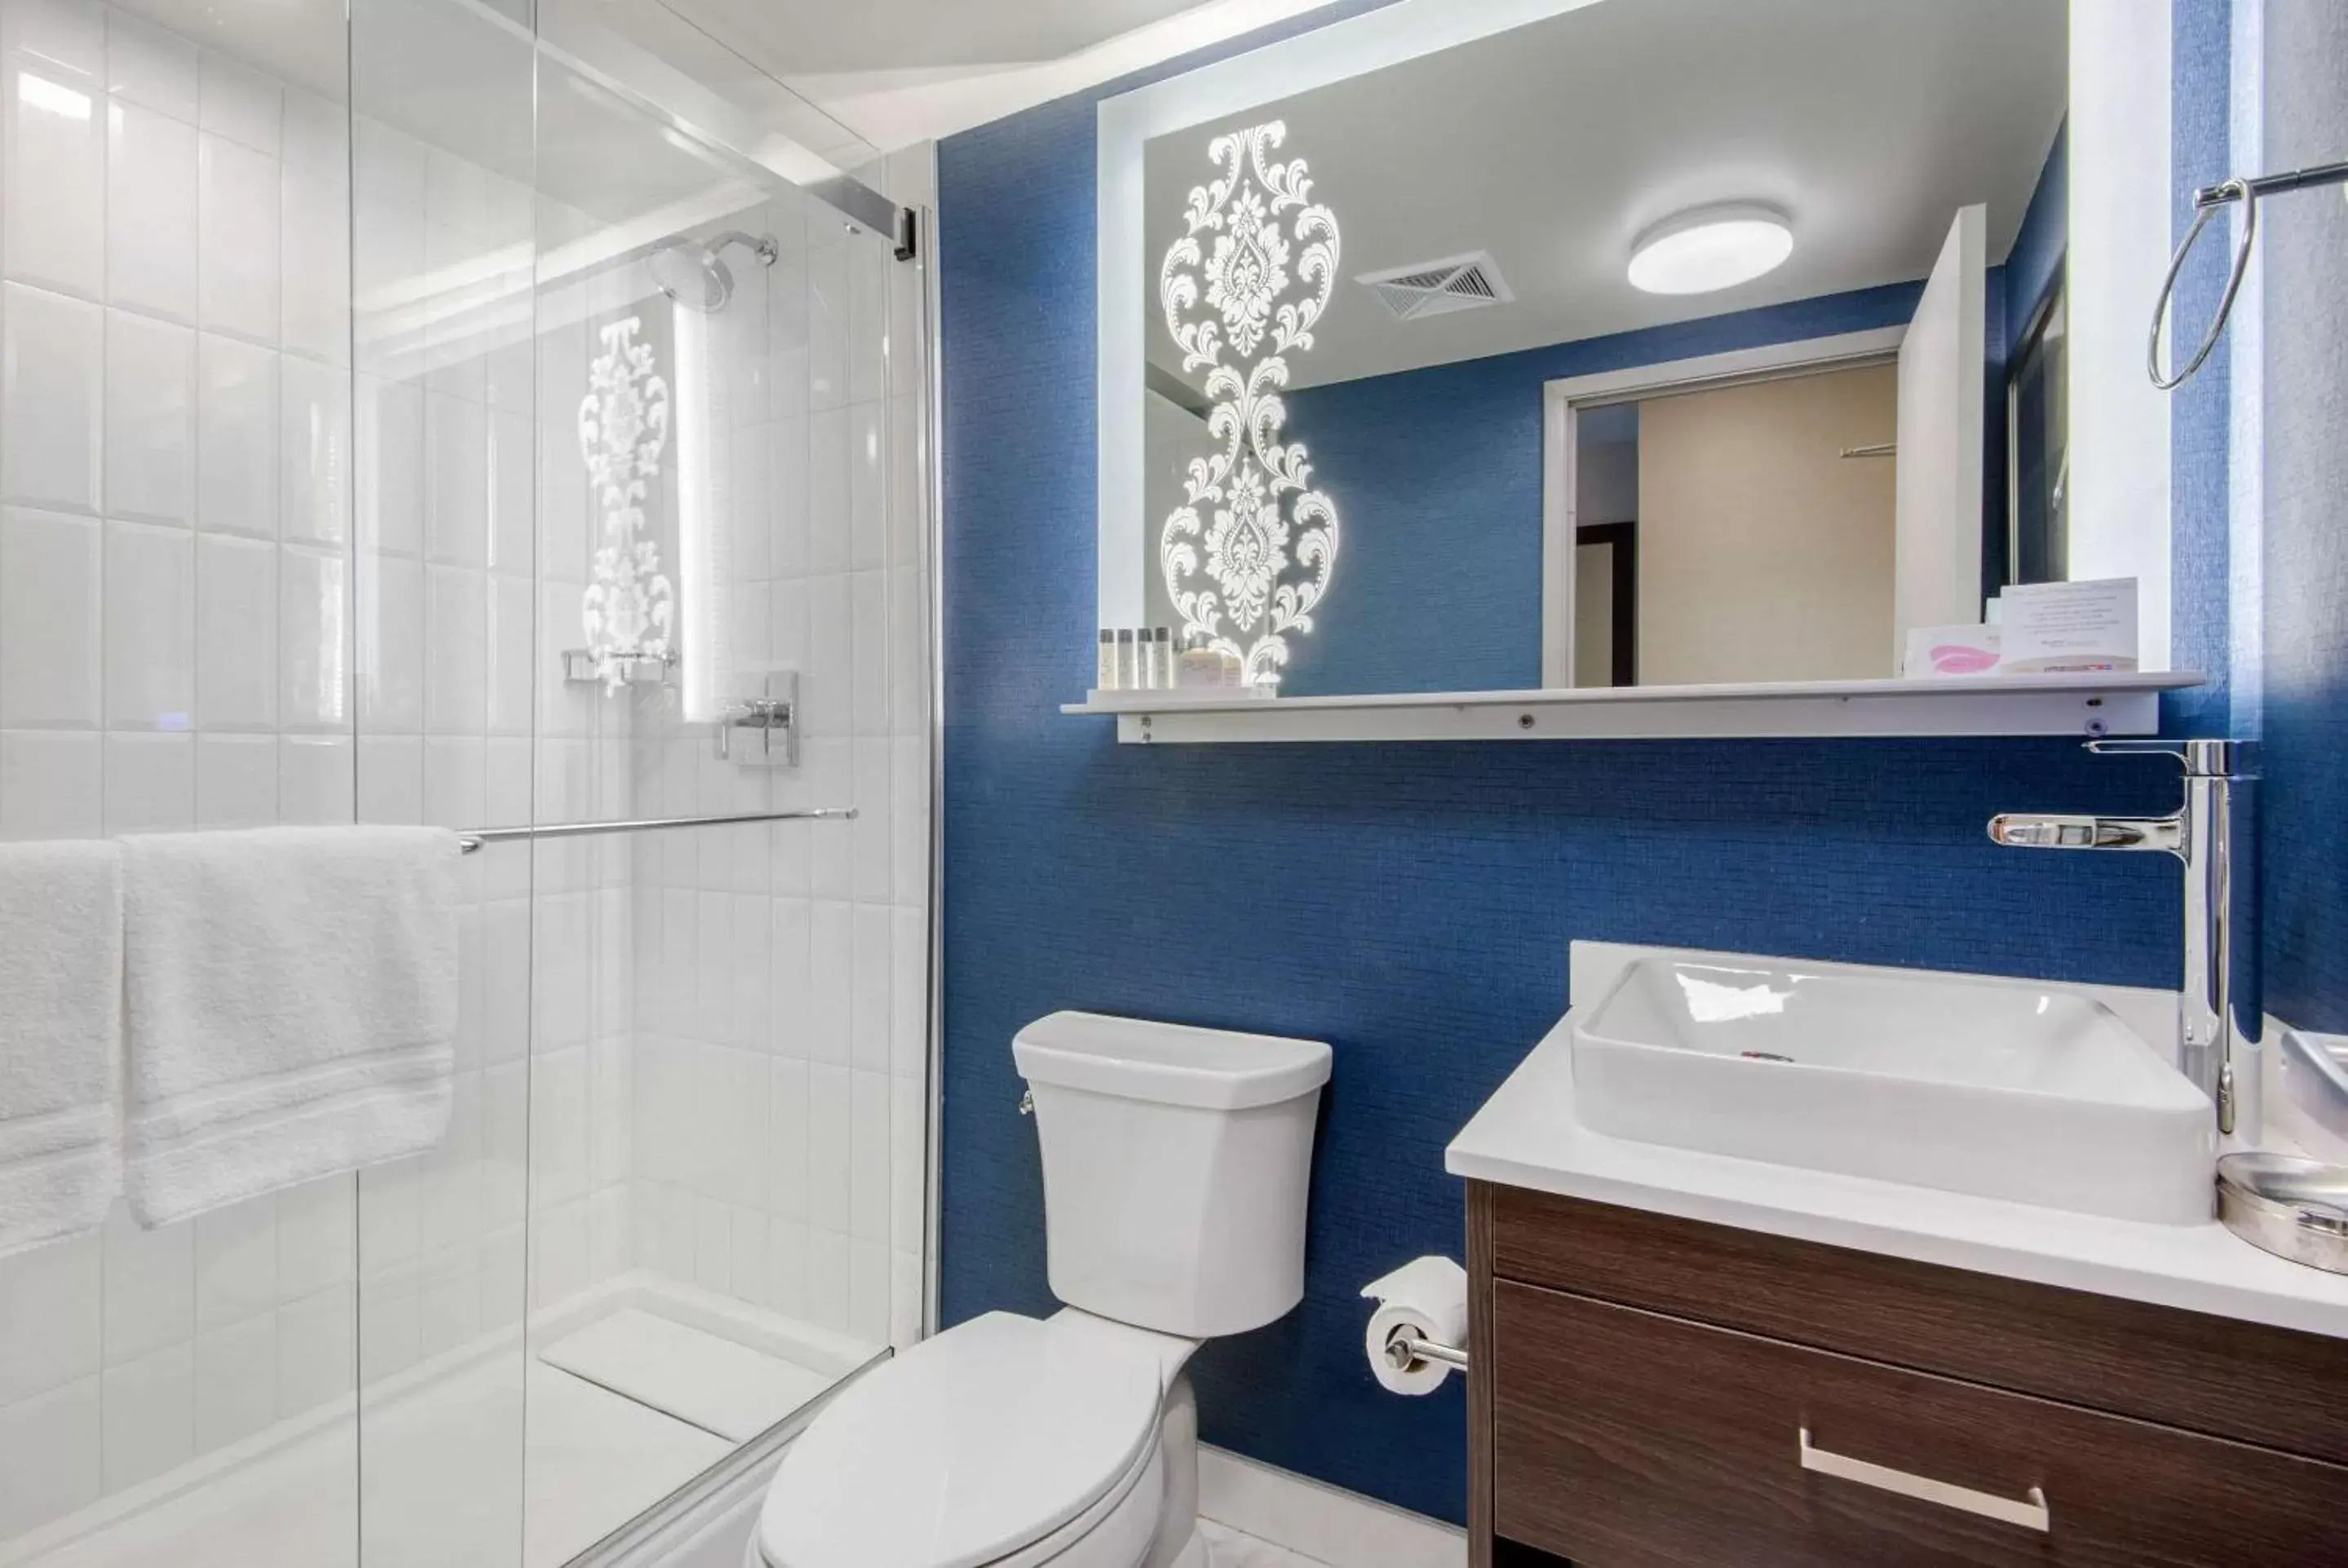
(2218, 1008)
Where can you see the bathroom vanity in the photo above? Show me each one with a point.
(1652, 1389)
(1684, 1356)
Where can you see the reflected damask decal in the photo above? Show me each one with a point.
(1247, 555)
(630, 608)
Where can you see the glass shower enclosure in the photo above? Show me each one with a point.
(412, 412)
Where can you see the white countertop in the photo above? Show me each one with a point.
(1528, 1135)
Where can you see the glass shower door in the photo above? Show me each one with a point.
(728, 1173)
(444, 592)
(175, 655)
(660, 414)
(405, 423)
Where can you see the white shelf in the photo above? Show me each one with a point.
(2082, 706)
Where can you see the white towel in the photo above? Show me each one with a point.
(60, 1039)
(290, 998)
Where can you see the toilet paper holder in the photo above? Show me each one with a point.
(1407, 1349)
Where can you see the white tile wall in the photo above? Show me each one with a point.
(141, 564)
(246, 581)
(167, 660)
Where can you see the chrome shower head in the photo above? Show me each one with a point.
(691, 276)
(696, 276)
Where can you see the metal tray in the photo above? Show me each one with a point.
(2292, 1207)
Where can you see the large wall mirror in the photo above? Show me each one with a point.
(1497, 344)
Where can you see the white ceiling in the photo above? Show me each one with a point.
(1553, 146)
(813, 40)
(306, 42)
(896, 72)
(839, 81)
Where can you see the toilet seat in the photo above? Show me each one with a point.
(999, 1443)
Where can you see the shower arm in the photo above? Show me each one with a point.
(761, 245)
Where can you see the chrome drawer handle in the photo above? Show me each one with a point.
(2031, 1515)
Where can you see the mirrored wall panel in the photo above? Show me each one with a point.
(1662, 343)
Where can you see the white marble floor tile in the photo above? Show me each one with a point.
(1227, 1548)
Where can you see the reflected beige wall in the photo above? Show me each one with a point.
(1593, 615)
(1764, 555)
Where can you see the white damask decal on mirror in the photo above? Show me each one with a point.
(1269, 540)
(630, 608)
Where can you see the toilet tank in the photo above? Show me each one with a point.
(1175, 1167)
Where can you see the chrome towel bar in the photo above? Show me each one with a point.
(474, 838)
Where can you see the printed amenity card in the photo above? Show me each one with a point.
(1940, 652)
(2051, 627)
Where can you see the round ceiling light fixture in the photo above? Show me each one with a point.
(1708, 248)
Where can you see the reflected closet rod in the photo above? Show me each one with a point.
(475, 838)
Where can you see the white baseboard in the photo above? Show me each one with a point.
(1327, 1523)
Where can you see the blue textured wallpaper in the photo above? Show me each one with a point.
(1438, 475)
(1996, 349)
(1409, 903)
(2304, 825)
(2200, 437)
(2035, 258)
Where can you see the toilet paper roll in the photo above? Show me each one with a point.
(1428, 1294)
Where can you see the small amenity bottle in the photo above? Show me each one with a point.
(1104, 678)
(1128, 675)
(1161, 651)
(1201, 668)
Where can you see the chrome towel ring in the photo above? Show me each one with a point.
(2206, 202)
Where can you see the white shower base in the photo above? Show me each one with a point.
(441, 1487)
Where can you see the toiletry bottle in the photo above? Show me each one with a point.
(1202, 667)
(1161, 659)
(1234, 671)
(1104, 678)
(1128, 677)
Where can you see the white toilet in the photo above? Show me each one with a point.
(1174, 1167)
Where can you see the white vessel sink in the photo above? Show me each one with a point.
(2003, 1089)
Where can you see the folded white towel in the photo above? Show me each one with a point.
(60, 1039)
(291, 1003)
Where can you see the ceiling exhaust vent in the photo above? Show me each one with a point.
(1438, 288)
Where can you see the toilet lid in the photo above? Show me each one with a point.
(962, 1449)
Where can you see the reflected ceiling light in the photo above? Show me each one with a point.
(1708, 248)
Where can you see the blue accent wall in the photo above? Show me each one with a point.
(1409, 903)
(2035, 258)
(2304, 824)
(2199, 412)
(1997, 352)
(1438, 475)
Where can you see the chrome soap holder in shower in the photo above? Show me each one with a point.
(763, 731)
(580, 667)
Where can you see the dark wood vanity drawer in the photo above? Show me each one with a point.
(2246, 1380)
(1624, 1438)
